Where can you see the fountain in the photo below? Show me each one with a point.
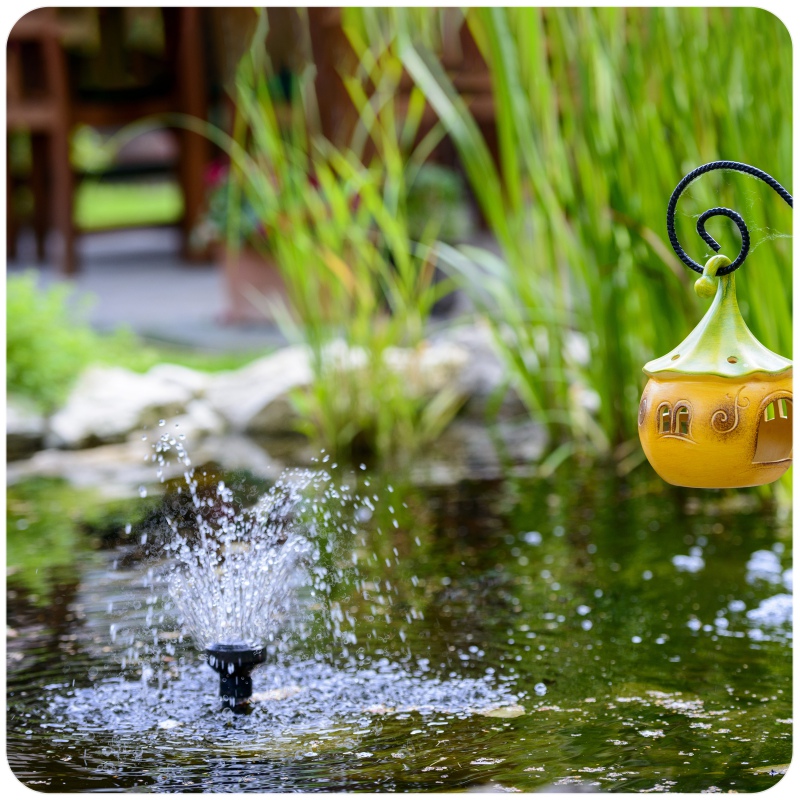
(235, 579)
(234, 662)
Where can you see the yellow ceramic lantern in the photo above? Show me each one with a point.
(717, 409)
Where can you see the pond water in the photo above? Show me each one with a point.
(584, 632)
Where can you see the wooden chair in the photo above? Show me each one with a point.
(46, 98)
(37, 102)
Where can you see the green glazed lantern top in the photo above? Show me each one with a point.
(721, 344)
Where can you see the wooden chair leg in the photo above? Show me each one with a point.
(193, 101)
(63, 187)
(192, 165)
(12, 227)
(41, 212)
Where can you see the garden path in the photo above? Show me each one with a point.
(137, 278)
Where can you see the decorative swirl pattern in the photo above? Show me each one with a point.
(720, 419)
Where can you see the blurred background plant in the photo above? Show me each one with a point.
(599, 113)
(593, 115)
(49, 343)
(360, 284)
(216, 225)
(46, 346)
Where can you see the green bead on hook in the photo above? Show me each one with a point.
(706, 286)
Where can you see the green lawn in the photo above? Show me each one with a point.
(110, 205)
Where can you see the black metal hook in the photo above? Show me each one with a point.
(717, 212)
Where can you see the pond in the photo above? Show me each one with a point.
(583, 632)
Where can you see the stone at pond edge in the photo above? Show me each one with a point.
(483, 374)
(117, 470)
(199, 421)
(256, 397)
(192, 380)
(25, 430)
(109, 402)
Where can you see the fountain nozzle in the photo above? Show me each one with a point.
(234, 662)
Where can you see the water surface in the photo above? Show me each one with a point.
(581, 632)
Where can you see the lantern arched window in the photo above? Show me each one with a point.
(681, 419)
(774, 435)
(664, 418)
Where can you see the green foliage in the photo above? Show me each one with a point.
(46, 344)
(438, 195)
(49, 344)
(225, 205)
(599, 114)
(339, 232)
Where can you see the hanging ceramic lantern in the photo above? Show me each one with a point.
(717, 410)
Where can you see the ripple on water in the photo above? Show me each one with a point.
(297, 698)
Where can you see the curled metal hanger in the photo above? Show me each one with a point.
(717, 212)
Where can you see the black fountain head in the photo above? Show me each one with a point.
(234, 661)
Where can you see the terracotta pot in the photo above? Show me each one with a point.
(248, 275)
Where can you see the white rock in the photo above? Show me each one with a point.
(200, 420)
(339, 355)
(256, 397)
(429, 368)
(116, 469)
(25, 429)
(190, 379)
(483, 370)
(235, 452)
(484, 373)
(109, 402)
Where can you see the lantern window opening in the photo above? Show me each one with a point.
(774, 435)
(664, 418)
(682, 415)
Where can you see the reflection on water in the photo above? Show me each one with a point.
(582, 632)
